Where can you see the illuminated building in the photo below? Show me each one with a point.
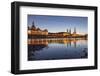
(36, 31)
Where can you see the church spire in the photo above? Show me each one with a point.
(70, 30)
(74, 30)
(67, 30)
(33, 25)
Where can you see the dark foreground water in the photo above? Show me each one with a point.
(57, 48)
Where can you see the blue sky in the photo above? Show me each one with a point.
(59, 23)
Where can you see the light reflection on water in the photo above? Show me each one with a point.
(57, 48)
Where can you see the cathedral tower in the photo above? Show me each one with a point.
(74, 31)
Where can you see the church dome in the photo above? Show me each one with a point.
(46, 30)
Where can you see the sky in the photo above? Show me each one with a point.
(59, 23)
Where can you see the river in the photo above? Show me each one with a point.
(57, 48)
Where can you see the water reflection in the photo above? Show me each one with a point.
(57, 48)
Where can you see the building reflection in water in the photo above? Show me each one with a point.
(66, 41)
(39, 44)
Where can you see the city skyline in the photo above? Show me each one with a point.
(59, 23)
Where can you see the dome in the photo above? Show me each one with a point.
(46, 30)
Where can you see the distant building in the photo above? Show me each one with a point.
(36, 31)
(74, 31)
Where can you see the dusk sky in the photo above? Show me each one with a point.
(59, 23)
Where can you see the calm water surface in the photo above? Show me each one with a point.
(57, 48)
